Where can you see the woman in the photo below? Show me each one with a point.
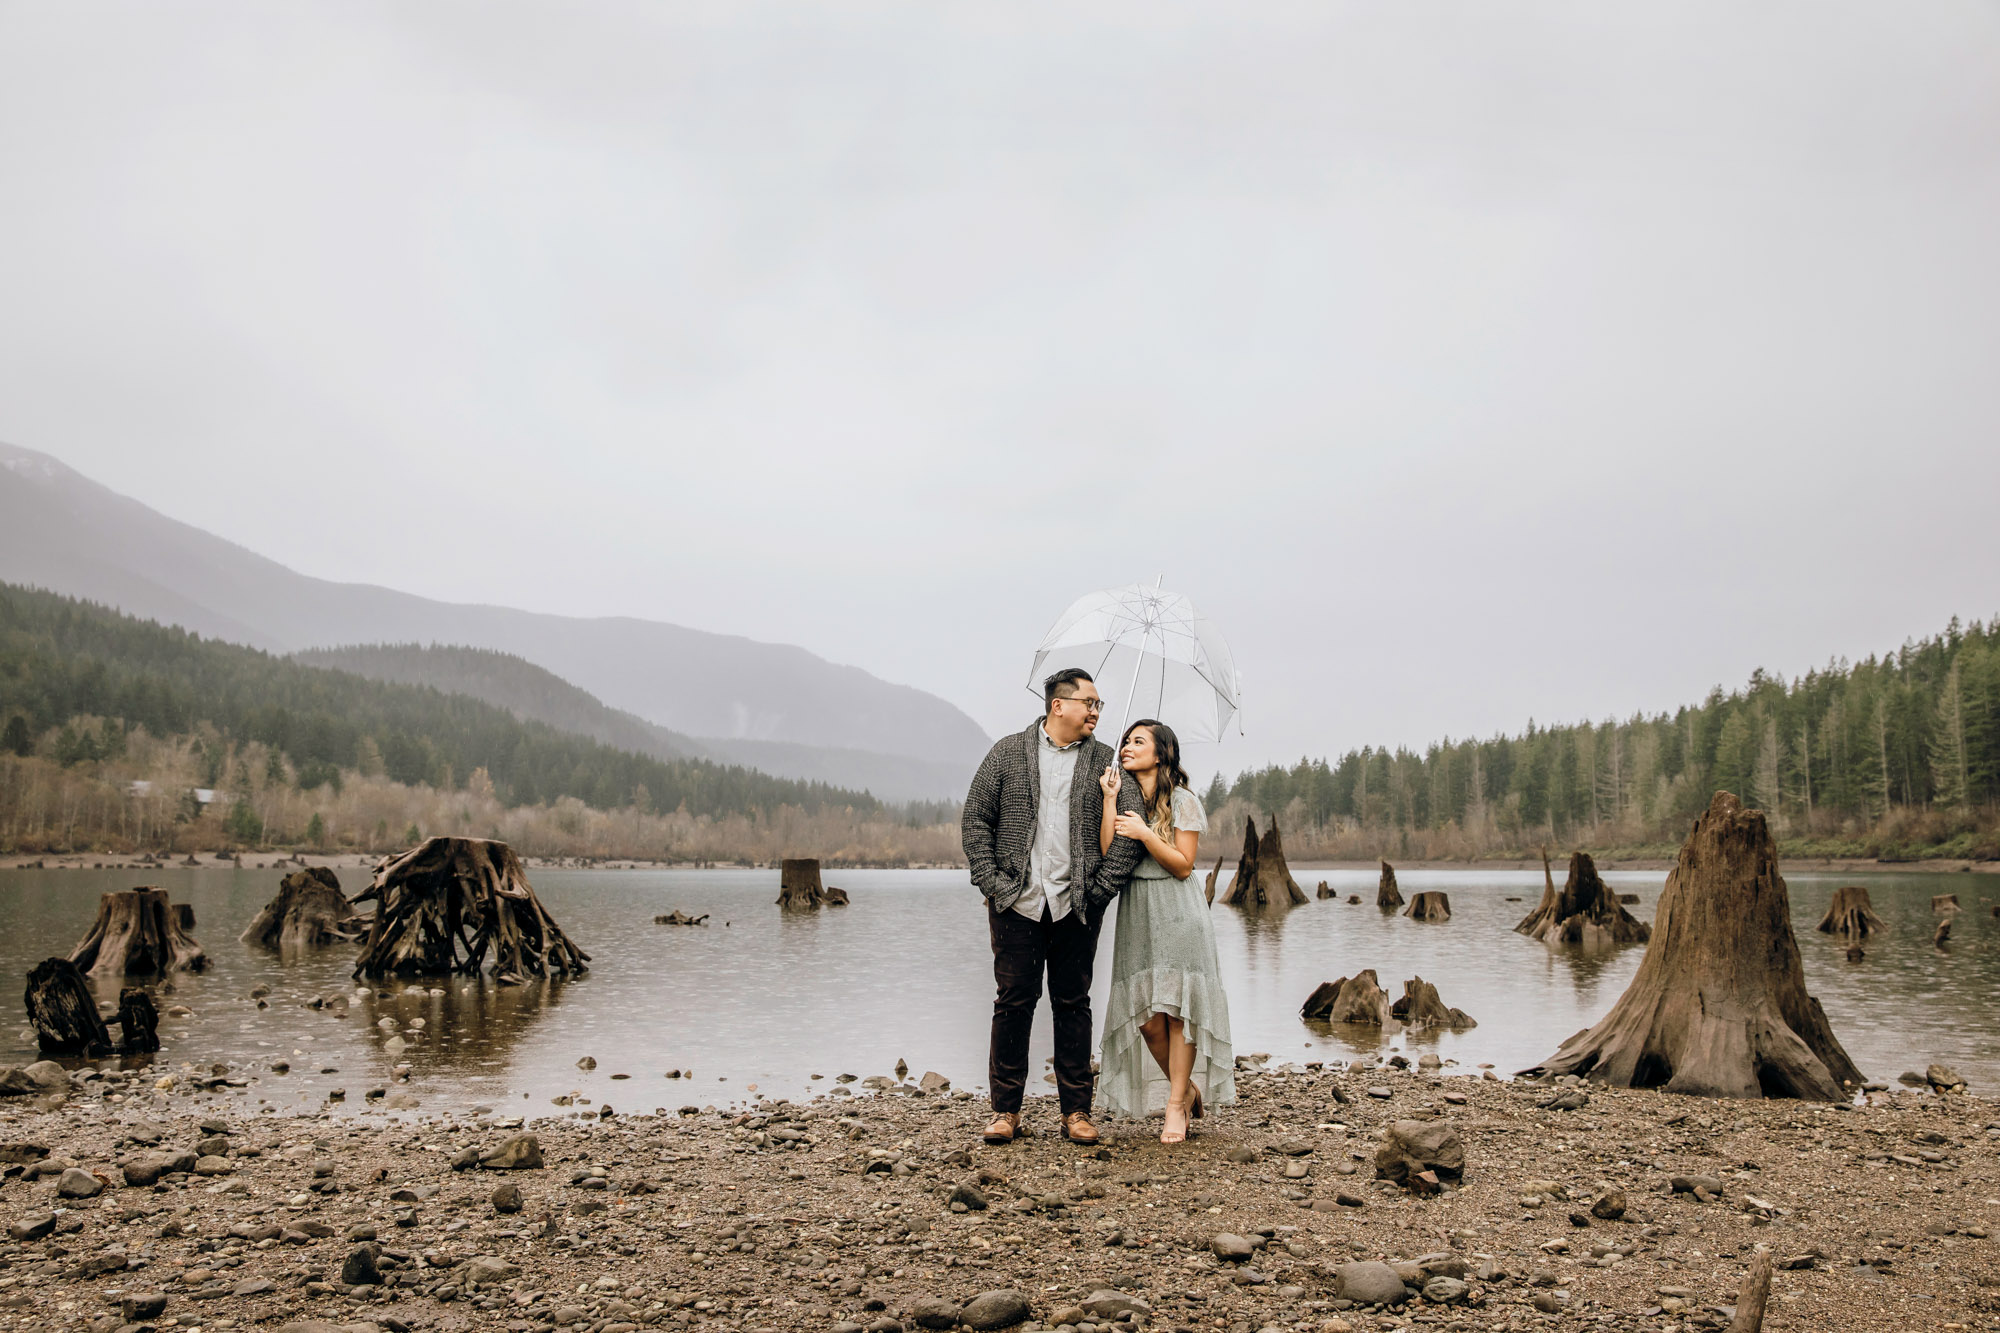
(1166, 990)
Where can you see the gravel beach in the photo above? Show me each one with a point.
(129, 1205)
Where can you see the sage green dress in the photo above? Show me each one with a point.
(1163, 961)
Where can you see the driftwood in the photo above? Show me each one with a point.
(1585, 912)
(1851, 913)
(1421, 1007)
(680, 918)
(443, 905)
(1754, 1296)
(138, 1022)
(798, 886)
(309, 911)
(1387, 895)
(1209, 889)
(1356, 999)
(63, 1011)
(1430, 905)
(136, 934)
(1262, 878)
(1718, 1007)
(1324, 892)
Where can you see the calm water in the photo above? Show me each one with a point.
(758, 1000)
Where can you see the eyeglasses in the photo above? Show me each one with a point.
(1092, 705)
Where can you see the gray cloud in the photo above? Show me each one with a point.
(1463, 364)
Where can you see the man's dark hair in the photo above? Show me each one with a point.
(1062, 685)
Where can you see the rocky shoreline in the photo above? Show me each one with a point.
(130, 1204)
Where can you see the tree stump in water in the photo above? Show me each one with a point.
(184, 915)
(1387, 895)
(1422, 1007)
(836, 897)
(138, 1022)
(1209, 888)
(1718, 1007)
(798, 886)
(1430, 905)
(1356, 999)
(1944, 902)
(136, 934)
(63, 1010)
(309, 911)
(443, 905)
(1354, 900)
(1851, 913)
(1324, 892)
(1262, 878)
(1943, 933)
(1585, 912)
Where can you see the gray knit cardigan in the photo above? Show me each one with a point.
(998, 827)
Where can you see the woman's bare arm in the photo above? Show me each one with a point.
(1107, 827)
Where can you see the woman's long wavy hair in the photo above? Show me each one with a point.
(1167, 751)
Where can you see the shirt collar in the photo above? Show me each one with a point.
(1050, 741)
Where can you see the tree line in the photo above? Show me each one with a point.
(1892, 756)
(77, 679)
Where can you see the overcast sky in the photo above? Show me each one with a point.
(1466, 363)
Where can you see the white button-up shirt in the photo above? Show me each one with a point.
(1048, 858)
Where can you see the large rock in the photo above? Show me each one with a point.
(147, 1169)
(933, 1312)
(1412, 1148)
(995, 1309)
(520, 1153)
(1369, 1283)
(77, 1183)
(328, 1326)
(32, 1226)
(360, 1268)
(1107, 1304)
(1232, 1248)
(489, 1269)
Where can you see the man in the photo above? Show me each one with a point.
(1031, 838)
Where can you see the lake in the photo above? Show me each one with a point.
(755, 1003)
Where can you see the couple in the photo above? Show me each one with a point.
(1053, 831)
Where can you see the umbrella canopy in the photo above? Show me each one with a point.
(1152, 655)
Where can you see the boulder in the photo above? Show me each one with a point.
(1232, 1248)
(932, 1312)
(490, 1269)
(1412, 1148)
(1107, 1304)
(994, 1310)
(507, 1198)
(32, 1226)
(360, 1268)
(520, 1153)
(1369, 1283)
(77, 1183)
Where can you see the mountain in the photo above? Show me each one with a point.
(529, 692)
(61, 658)
(60, 530)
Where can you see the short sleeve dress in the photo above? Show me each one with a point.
(1163, 961)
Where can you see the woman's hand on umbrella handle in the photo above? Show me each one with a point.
(1107, 782)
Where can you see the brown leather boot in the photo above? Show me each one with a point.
(1006, 1127)
(1077, 1129)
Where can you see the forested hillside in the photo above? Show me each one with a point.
(1893, 757)
(91, 701)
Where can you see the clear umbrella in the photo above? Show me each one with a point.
(1169, 660)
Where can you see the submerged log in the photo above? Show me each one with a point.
(798, 885)
(1356, 999)
(1429, 905)
(680, 918)
(1324, 892)
(1585, 912)
(443, 906)
(1718, 1007)
(1262, 878)
(138, 1022)
(308, 912)
(1851, 913)
(1387, 895)
(63, 1011)
(136, 934)
(1422, 1007)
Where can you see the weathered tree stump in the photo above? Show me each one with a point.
(1754, 1295)
(1430, 905)
(1856, 954)
(1943, 934)
(63, 1011)
(1718, 1007)
(442, 906)
(1354, 900)
(1324, 892)
(836, 897)
(1585, 912)
(1262, 878)
(184, 915)
(798, 886)
(1422, 1007)
(1356, 999)
(1387, 895)
(138, 1022)
(1851, 913)
(1209, 888)
(136, 934)
(309, 911)
(1944, 902)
